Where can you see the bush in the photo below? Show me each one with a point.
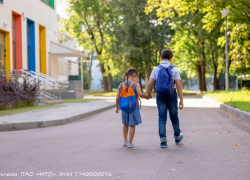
(14, 94)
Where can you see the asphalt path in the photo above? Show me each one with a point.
(216, 146)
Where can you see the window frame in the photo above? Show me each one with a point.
(51, 3)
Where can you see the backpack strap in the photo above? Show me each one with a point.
(123, 86)
(171, 67)
(130, 86)
(160, 66)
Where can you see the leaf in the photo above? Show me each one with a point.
(173, 169)
(152, 154)
(182, 144)
(179, 162)
(192, 130)
(133, 153)
(236, 144)
(194, 155)
(57, 125)
(244, 160)
(80, 144)
(118, 177)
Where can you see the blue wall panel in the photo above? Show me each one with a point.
(1, 1)
(31, 45)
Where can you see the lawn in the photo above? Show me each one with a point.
(24, 109)
(77, 100)
(238, 99)
(103, 93)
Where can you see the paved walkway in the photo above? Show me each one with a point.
(216, 146)
(65, 110)
(66, 113)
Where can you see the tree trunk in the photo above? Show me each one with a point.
(203, 67)
(110, 80)
(140, 81)
(147, 74)
(199, 75)
(104, 77)
(90, 68)
(215, 83)
(219, 79)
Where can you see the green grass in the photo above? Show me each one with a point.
(103, 93)
(189, 92)
(77, 100)
(238, 99)
(23, 109)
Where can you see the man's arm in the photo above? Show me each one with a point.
(149, 87)
(179, 89)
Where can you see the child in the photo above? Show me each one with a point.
(131, 119)
(167, 102)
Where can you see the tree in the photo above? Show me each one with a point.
(212, 20)
(138, 37)
(87, 22)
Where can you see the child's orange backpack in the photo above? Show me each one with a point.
(127, 101)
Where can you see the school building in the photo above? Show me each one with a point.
(28, 39)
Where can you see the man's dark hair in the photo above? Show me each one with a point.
(166, 54)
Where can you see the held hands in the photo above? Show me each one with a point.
(149, 96)
(181, 105)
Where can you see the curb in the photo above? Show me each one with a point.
(43, 124)
(235, 111)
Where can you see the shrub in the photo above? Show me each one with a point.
(14, 94)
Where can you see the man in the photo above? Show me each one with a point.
(167, 102)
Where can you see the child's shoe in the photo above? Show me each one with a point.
(130, 145)
(179, 139)
(163, 142)
(125, 143)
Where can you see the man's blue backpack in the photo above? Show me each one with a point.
(165, 81)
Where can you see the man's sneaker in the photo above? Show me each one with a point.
(180, 139)
(130, 145)
(125, 143)
(164, 145)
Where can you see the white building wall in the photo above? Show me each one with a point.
(39, 12)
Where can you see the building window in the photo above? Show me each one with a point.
(49, 2)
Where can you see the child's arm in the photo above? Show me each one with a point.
(117, 99)
(138, 90)
(179, 89)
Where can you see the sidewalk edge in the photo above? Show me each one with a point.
(42, 124)
(234, 111)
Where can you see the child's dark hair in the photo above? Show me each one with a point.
(130, 72)
(166, 54)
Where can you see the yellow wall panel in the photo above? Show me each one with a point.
(42, 43)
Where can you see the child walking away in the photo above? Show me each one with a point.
(167, 79)
(127, 100)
